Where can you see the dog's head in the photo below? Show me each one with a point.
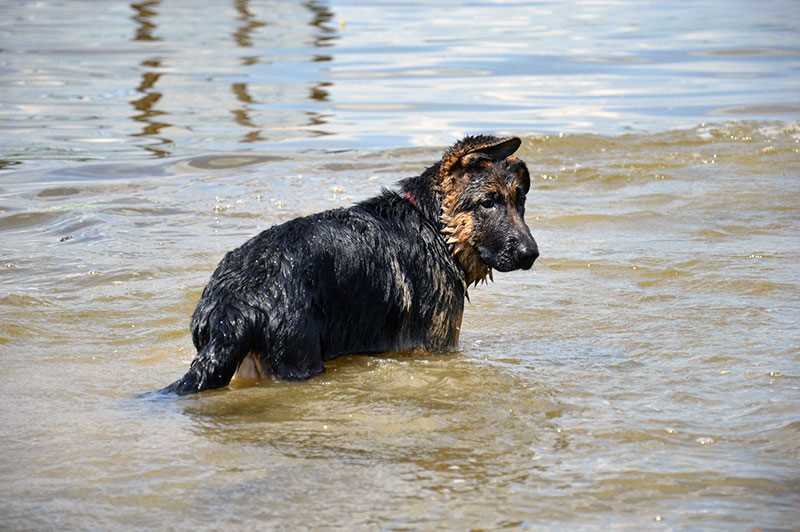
(483, 191)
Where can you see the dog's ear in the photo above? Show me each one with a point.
(497, 150)
(520, 171)
(469, 149)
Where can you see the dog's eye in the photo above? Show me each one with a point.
(489, 201)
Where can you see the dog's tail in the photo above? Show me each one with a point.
(213, 367)
(222, 331)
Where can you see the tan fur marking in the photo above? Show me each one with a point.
(463, 248)
(458, 230)
(401, 284)
(445, 330)
(249, 371)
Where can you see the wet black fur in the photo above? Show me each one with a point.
(375, 277)
(325, 285)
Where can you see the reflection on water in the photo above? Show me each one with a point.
(321, 20)
(645, 374)
(74, 96)
(404, 74)
(242, 115)
(250, 23)
(145, 18)
(146, 109)
(243, 38)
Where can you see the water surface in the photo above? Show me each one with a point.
(644, 375)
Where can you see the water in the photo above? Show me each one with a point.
(645, 375)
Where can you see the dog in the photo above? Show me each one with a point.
(388, 274)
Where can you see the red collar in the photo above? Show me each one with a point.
(409, 197)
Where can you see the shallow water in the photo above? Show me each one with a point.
(644, 375)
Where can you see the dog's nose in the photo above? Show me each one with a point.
(527, 254)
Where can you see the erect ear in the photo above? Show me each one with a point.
(520, 169)
(497, 151)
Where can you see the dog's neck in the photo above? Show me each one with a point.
(422, 193)
(425, 192)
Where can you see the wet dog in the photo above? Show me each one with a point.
(388, 274)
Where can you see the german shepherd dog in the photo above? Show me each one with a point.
(387, 274)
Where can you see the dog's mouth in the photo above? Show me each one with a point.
(506, 260)
(498, 261)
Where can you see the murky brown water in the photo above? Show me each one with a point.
(645, 375)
